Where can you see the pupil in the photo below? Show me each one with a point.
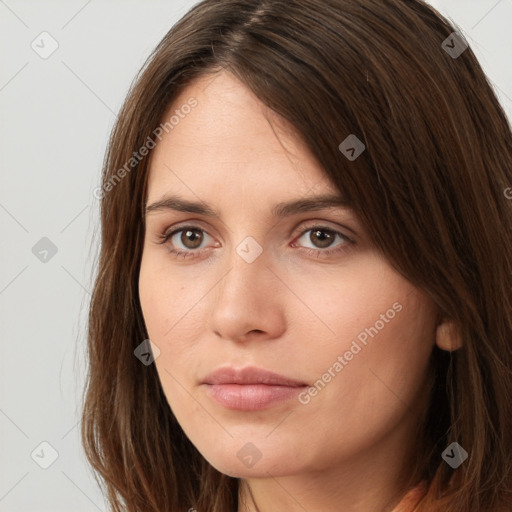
(191, 237)
(324, 236)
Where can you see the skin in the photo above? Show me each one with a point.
(288, 311)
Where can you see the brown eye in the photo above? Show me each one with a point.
(186, 241)
(191, 238)
(321, 241)
(322, 238)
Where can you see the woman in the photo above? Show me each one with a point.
(304, 291)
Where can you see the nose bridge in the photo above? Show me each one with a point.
(249, 250)
(247, 262)
(245, 300)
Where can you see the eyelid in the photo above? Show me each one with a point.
(303, 226)
(323, 224)
(195, 224)
(347, 241)
(168, 234)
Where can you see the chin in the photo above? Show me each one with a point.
(245, 459)
(240, 470)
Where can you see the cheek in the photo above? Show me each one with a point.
(167, 302)
(374, 358)
(360, 302)
(173, 308)
(162, 307)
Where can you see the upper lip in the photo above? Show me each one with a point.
(249, 375)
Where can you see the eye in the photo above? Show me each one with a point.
(189, 237)
(186, 241)
(322, 239)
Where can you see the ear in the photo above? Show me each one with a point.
(448, 335)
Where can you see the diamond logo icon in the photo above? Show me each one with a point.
(454, 455)
(351, 147)
(44, 45)
(249, 249)
(455, 45)
(44, 455)
(249, 455)
(44, 250)
(147, 352)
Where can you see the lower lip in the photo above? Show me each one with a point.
(251, 397)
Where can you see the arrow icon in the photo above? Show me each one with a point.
(44, 455)
(454, 45)
(249, 455)
(44, 45)
(351, 147)
(147, 352)
(454, 455)
(44, 250)
(450, 455)
(249, 252)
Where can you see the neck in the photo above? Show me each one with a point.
(373, 480)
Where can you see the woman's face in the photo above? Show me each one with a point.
(300, 292)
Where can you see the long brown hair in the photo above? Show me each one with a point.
(429, 188)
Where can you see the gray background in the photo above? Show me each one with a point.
(56, 115)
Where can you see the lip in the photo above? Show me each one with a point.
(250, 388)
(249, 375)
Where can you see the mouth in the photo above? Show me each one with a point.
(250, 389)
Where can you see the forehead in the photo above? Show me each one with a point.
(231, 143)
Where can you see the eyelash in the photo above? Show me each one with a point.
(191, 253)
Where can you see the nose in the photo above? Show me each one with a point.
(248, 302)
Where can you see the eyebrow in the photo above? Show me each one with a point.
(284, 209)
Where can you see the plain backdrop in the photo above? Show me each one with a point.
(56, 113)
